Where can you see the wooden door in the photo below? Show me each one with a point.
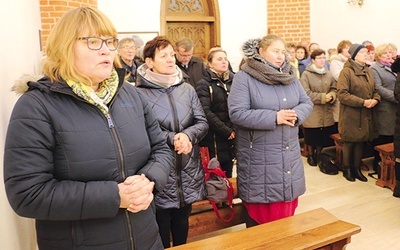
(195, 19)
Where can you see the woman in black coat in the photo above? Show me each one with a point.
(213, 91)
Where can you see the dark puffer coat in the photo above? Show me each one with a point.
(215, 105)
(63, 160)
(178, 109)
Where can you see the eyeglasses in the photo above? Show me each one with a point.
(129, 47)
(95, 43)
(320, 57)
(185, 56)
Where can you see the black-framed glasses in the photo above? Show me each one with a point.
(95, 43)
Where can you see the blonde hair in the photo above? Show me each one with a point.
(380, 49)
(59, 62)
(267, 40)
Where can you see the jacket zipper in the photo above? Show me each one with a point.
(123, 174)
(251, 138)
(178, 156)
(111, 126)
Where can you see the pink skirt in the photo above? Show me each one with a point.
(263, 213)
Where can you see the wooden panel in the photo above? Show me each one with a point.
(198, 32)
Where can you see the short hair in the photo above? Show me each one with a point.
(367, 42)
(316, 53)
(380, 49)
(303, 48)
(311, 44)
(291, 45)
(59, 62)
(138, 41)
(343, 44)
(186, 43)
(125, 41)
(158, 42)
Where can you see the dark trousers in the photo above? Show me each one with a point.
(174, 221)
(352, 154)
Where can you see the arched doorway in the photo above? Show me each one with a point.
(195, 19)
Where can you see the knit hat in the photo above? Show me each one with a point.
(354, 48)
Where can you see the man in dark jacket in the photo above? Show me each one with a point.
(192, 66)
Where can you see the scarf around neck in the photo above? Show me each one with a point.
(268, 73)
(163, 80)
(319, 71)
(100, 98)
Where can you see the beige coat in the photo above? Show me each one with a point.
(354, 86)
(317, 86)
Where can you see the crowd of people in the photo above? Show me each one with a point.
(104, 149)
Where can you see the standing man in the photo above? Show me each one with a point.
(192, 66)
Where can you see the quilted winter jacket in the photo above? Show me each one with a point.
(269, 164)
(317, 86)
(64, 158)
(178, 109)
(356, 122)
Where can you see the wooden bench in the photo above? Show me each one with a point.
(316, 229)
(387, 178)
(204, 220)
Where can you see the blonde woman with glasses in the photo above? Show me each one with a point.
(84, 153)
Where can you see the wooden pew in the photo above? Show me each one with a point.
(204, 220)
(387, 178)
(316, 229)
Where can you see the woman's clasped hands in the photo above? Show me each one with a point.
(286, 116)
(182, 144)
(136, 193)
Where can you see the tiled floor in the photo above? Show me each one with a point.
(362, 203)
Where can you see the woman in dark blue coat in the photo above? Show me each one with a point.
(84, 153)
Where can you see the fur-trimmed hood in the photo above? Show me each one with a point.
(20, 86)
(250, 50)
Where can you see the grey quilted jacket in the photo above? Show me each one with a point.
(178, 109)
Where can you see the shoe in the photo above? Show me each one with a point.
(396, 191)
(348, 175)
(358, 175)
(311, 161)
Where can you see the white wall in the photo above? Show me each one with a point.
(20, 53)
(239, 20)
(375, 20)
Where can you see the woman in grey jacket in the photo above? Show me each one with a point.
(267, 104)
(83, 149)
(385, 112)
(179, 112)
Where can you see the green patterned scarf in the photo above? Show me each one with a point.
(102, 96)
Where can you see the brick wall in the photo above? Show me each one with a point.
(289, 19)
(51, 11)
